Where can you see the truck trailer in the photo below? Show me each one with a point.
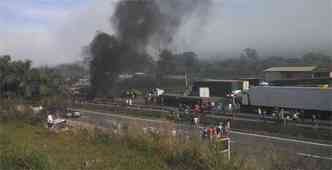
(309, 99)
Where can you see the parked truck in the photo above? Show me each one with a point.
(308, 99)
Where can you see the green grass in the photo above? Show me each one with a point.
(24, 146)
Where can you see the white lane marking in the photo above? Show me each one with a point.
(313, 156)
(282, 139)
(235, 132)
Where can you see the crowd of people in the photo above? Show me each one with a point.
(196, 108)
(284, 116)
(130, 96)
(222, 130)
(151, 95)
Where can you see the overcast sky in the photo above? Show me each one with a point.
(54, 31)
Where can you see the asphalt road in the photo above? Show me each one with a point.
(249, 144)
(237, 116)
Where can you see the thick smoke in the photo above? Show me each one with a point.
(136, 21)
(138, 24)
(154, 22)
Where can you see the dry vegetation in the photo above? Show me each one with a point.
(27, 146)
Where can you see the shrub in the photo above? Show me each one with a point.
(17, 158)
(102, 138)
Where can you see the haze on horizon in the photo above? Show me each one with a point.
(51, 32)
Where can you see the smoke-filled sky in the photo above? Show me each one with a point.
(54, 31)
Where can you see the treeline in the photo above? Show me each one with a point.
(18, 79)
(248, 64)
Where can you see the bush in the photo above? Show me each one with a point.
(17, 158)
(102, 138)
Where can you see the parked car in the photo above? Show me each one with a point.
(77, 114)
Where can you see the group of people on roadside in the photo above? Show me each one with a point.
(222, 130)
(284, 116)
(195, 109)
(152, 95)
(130, 96)
(211, 107)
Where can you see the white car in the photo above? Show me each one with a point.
(77, 114)
(69, 114)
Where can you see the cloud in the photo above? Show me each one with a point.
(286, 28)
(47, 14)
(36, 46)
(52, 36)
(54, 31)
(81, 25)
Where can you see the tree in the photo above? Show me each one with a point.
(19, 80)
(72, 71)
(316, 59)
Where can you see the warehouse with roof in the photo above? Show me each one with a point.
(297, 72)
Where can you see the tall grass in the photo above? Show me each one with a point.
(176, 153)
(126, 148)
(16, 157)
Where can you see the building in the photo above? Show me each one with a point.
(216, 88)
(298, 72)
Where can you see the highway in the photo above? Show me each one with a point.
(237, 116)
(249, 144)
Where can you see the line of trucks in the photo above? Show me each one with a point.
(310, 100)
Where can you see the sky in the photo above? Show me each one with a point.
(51, 32)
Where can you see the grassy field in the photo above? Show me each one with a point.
(27, 146)
(30, 146)
(24, 146)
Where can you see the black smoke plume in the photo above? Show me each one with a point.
(138, 24)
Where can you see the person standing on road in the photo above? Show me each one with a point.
(50, 121)
(131, 96)
(264, 115)
(196, 121)
(230, 108)
(210, 133)
(227, 127)
(204, 133)
(196, 109)
(220, 130)
(127, 96)
(296, 116)
(146, 97)
(288, 118)
(259, 111)
(282, 117)
(314, 120)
